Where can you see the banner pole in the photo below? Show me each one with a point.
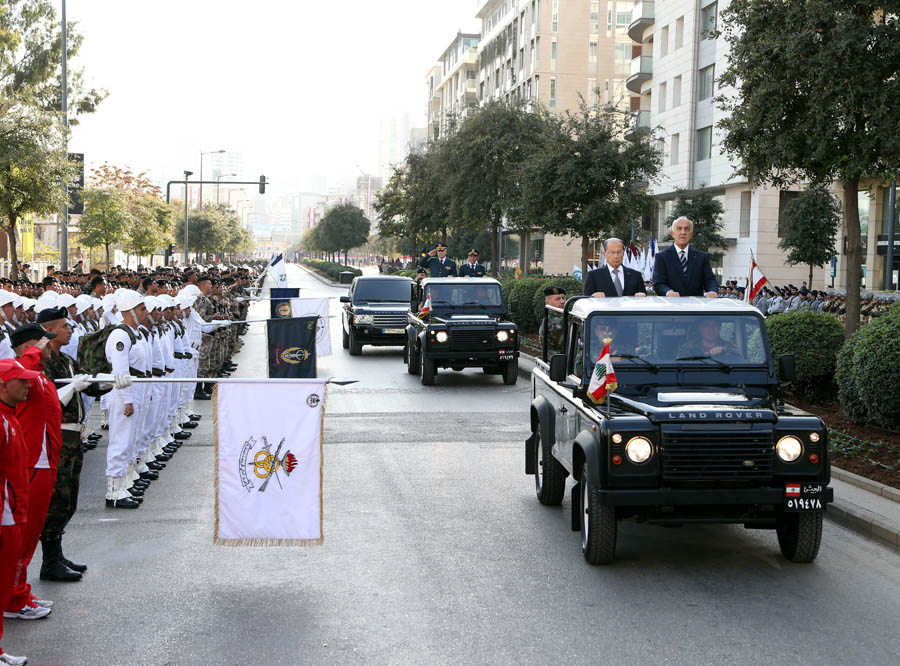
(339, 381)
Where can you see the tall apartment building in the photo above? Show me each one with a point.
(675, 71)
(366, 188)
(451, 84)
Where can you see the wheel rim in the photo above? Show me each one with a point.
(585, 506)
(538, 462)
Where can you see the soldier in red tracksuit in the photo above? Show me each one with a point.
(15, 382)
(41, 418)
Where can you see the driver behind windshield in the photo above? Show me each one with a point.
(707, 341)
(622, 342)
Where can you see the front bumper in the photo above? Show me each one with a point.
(371, 335)
(699, 496)
(472, 359)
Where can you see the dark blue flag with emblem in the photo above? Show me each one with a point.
(281, 301)
(292, 347)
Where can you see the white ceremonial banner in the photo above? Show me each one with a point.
(278, 272)
(310, 307)
(269, 463)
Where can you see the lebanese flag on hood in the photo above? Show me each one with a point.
(603, 381)
(426, 307)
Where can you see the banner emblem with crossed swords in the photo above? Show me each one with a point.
(266, 464)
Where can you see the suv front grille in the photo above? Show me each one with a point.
(472, 339)
(393, 320)
(692, 455)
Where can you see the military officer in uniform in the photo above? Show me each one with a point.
(437, 264)
(555, 297)
(472, 268)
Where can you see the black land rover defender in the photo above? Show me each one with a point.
(460, 323)
(374, 312)
(695, 431)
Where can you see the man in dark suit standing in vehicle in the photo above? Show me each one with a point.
(472, 268)
(438, 266)
(614, 279)
(682, 270)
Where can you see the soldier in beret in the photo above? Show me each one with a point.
(437, 263)
(555, 297)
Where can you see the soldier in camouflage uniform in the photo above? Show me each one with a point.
(555, 297)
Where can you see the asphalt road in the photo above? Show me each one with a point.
(437, 552)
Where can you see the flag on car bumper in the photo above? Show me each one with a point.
(268, 438)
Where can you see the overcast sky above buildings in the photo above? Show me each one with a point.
(298, 87)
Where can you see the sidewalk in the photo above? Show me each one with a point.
(869, 508)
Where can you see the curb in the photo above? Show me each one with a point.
(866, 484)
(321, 279)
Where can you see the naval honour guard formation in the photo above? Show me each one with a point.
(69, 341)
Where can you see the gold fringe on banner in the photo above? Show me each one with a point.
(270, 542)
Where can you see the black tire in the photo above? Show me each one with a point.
(345, 338)
(458, 368)
(549, 475)
(412, 359)
(800, 535)
(598, 525)
(511, 372)
(428, 371)
(355, 347)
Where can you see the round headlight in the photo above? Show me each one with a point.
(442, 336)
(363, 319)
(639, 449)
(789, 448)
(502, 336)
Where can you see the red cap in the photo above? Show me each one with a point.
(10, 368)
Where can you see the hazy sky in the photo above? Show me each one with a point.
(297, 86)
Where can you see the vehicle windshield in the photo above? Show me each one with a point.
(464, 294)
(375, 291)
(714, 339)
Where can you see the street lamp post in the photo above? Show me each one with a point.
(64, 213)
(209, 152)
(187, 174)
(219, 178)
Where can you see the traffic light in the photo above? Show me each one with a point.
(262, 184)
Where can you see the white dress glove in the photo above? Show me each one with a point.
(80, 382)
(77, 384)
(123, 381)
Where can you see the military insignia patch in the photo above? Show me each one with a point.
(120, 346)
(264, 463)
(284, 310)
(313, 400)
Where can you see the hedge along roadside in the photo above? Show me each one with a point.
(815, 340)
(868, 372)
(330, 269)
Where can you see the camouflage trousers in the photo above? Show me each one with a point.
(65, 493)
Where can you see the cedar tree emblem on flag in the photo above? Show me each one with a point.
(603, 381)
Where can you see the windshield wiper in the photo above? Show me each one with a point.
(650, 365)
(481, 305)
(724, 366)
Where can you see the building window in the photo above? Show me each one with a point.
(705, 79)
(704, 143)
(676, 138)
(660, 147)
(537, 52)
(554, 52)
(623, 18)
(552, 93)
(708, 21)
(745, 215)
(676, 91)
(538, 15)
(595, 15)
(592, 51)
(679, 33)
(622, 57)
(608, 21)
(784, 197)
(554, 18)
(592, 93)
(664, 41)
(662, 97)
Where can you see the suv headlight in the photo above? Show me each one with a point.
(502, 336)
(442, 336)
(363, 319)
(639, 449)
(789, 448)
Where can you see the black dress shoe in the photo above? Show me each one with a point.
(151, 475)
(194, 417)
(80, 568)
(94, 436)
(156, 466)
(104, 426)
(141, 484)
(127, 503)
(169, 450)
(136, 492)
(90, 446)
(57, 571)
(182, 435)
(173, 443)
(163, 457)
(200, 395)
(190, 425)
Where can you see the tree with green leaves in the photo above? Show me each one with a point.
(487, 154)
(106, 218)
(207, 230)
(586, 180)
(344, 228)
(151, 225)
(32, 167)
(810, 224)
(706, 213)
(812, 91)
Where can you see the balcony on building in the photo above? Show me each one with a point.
(640, 123)
(641, 71)
(641, 17)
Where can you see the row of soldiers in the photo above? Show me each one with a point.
(775, 300)
(48, 345)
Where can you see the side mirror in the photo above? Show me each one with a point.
(786, 370)
(345, 299)
(558, 368)
(513, 306)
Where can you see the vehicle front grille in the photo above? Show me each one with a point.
(698, 455)
(472, 339)
(392, 320)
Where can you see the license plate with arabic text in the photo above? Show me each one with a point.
(393, 331)
(804, 497)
